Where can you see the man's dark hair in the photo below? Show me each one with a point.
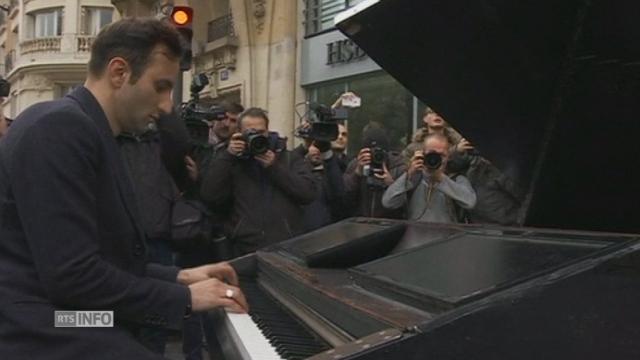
(254, 112)
(232, 107)
(132, 39)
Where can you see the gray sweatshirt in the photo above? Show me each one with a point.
(430, 203)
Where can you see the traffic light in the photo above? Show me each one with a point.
(182, 18)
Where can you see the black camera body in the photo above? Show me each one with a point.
(259, 143)
(433, 160)
(376, 166)
(378, 158)
(324, 123)
(196, 115)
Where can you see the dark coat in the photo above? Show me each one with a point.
(265, 204)
(363, 199)
(329, 206)
(70, 239)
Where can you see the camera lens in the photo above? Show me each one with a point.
(258, 144)
(433, 160)
(378, 156)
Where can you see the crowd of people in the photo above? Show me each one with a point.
(91, 184)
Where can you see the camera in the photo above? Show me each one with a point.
(323, 122)
(197, 115)
(433, 160)
(259, 143)
(376, 166)
(378, 157)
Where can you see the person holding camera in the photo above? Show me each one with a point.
(263, 184)
(431, 195)
(216, 247)
(370, 173)
(433, 123)
(328, 207)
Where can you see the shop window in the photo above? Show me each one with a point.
(95, 18)
(385, 104)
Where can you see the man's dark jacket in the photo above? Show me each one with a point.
(366, 200)
(328, 207)
(70, 239)
(265, 203)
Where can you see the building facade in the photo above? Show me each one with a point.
(332, 64)
(274, 54)
(45, 46)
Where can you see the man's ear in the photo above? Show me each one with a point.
(118, 72)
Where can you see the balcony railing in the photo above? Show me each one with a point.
(9, 60)
(85, 42)
(220, 28)
(47, 44)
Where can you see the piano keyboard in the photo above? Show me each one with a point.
(250, 342)
(269, 332)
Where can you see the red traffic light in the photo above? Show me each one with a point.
(182, 16)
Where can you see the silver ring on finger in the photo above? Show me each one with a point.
(229, 294)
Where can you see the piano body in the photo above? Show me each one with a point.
(548, 91)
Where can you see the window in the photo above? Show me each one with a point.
(320, 13)
(95, 18)
(48, 23)
(385, 104)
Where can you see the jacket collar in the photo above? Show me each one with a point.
(93, 109)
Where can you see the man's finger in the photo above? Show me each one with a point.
(228, 273)
(232, 306)
(238, 296)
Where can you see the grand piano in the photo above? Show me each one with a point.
(548, 91)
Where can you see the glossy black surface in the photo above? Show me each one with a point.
(547, 90)
(470, 264)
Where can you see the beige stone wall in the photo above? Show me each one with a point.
(260, 60)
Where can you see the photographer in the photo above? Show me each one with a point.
(368, 176)
(433, 123)
(264, 185)
(432, 196)
(328, 206)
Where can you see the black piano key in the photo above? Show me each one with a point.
(290, 338)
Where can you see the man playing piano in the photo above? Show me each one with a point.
(70, 237)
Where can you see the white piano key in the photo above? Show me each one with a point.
(252, 343)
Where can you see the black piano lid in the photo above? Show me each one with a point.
(547, 90)
(477, 262)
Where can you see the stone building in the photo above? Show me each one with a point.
(45, 46)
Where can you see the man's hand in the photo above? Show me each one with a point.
(213, 293)
(267, 159)
(237, 145)
(385, 175)
(416, 165)
(463, 145)
(192, 168)
(221, 271)
(364, 158)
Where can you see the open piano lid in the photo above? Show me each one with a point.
(547, 90)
